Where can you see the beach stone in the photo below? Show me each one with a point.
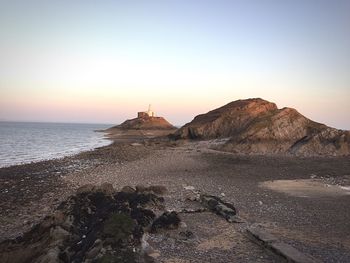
(191, 196)
(216, 205)
(186, 234)
(155, 189)
(107, 188)
(145, 246)
(168, 220)
(52, 256)
(68, 222)
(85, 188)
(136, 144)
(57, 233)
(189, 187)
(154, 255)
(140, 188)
(128, 189)
(92, 253)
(59, 217)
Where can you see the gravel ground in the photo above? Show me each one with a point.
(318, 226)
(205, 237)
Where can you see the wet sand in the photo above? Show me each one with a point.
(319, 226)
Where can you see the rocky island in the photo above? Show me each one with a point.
(145, 125)
(247, 182)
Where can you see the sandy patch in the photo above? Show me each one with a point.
(222, 241)
(306, 188)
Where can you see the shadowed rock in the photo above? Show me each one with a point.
(216, 205)
(95, 224)
(168, 220)
(155, 189)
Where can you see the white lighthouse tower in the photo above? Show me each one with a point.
(150, 112)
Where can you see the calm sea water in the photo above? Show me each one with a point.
(28, 142)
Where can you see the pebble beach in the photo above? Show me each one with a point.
(318, 225)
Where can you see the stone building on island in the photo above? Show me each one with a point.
(146, 120)
(149, 113)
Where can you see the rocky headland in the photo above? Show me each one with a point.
(256, 126)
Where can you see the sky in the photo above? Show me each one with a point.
(102, 61)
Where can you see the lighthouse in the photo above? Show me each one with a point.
(150, 112)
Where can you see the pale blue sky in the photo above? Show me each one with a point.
(101, 61)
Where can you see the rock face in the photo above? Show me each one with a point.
(256, 126)
(146, 123)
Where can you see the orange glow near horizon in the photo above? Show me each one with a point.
(178, 107)
(103, 62)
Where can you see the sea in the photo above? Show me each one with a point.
(26, 142)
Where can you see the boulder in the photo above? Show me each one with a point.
(168, 220)
(216, 205)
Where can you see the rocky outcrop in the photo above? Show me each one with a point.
(256, 126)
(225, 121)
(97, 224)
(146, 123)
